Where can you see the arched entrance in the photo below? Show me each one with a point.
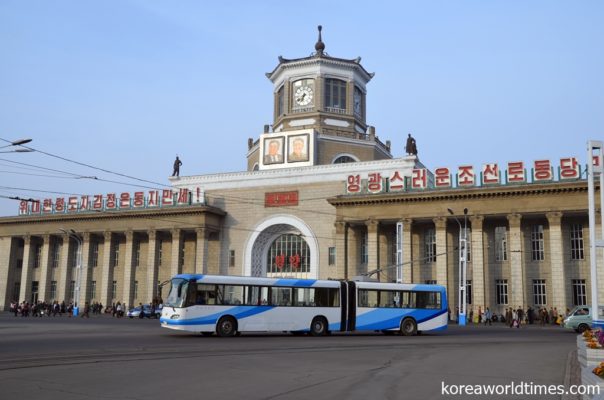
(282, 245)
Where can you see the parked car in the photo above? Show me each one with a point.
(147, 311)
(579, 318)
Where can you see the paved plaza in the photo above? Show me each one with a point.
(107, 358)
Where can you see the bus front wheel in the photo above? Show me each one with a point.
(408, 327)
(318, 327)
(227, 326)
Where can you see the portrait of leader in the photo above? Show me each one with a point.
(298, 148)
(273, 150)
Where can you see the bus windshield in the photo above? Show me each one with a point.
(178, 293)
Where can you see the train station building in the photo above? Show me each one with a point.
(323, 197)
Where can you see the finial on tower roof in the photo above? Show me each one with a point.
(320, 46)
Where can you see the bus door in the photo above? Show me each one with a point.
(343, 305)
(352, 306)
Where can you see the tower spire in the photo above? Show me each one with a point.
(319, 46)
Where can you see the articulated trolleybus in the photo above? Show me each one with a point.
(229, 305)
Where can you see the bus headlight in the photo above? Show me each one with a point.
(175, 316)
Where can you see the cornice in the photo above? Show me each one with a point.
(460, 194)
(112, 215)
(285, 64)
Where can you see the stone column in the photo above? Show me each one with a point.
(26, 270)
(341, 249)
(128, 295)
(45, 270)
(84, 270)
(516, 271)
(7, 264)
(63, 273)
(372, 245)
(440, 223)
(407, 251)
(201, 251)
(106, 283)
(554, 220)
(478, 278)
(175, 266)
(152, 267)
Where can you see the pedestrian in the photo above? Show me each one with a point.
(555, 317)
(86, 312)
(487, 316)
(471, 315)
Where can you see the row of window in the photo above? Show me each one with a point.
(537, 249)
(209, 294)
(539, 292)
(91, 291)
(398, 299)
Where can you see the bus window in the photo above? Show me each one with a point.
(408, 299)
(334, 298)
(388, 299)
(233, 295)
(368, 298)
(178, 293)
(304, 297)
(206, 294)
(281, 296)
(428, 300)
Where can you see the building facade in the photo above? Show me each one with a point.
(321, 199)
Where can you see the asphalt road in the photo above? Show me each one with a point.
(106, 358)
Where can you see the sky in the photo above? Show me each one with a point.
(127, 85)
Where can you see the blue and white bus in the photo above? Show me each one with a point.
(229, 305)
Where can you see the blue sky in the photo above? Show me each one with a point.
(126, 85)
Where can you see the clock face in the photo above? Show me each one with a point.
(303, 95)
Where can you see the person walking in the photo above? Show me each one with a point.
(488, 316)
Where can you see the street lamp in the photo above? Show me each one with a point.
(72, 234)
(463, 263)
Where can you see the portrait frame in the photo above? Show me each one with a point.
(266, 154)
(297, 152)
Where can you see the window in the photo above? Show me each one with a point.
(344, 160)
(159, 252)
(16, 291)
(335, 95)
(72, 290)
(576, 242)
(501, 286)
(469, 292)
(231, 258)
(331, 256)
(53, 290)
(280, 103)
(56, 254)
(501, 246)
(116, 254)
(206, 294)
(288, 253)
(281, 296)
(114, 290)
(364, 249)
(137, 253)
(38, 255)
(135, 294)
(94, 262)
(367, 298)
(256, 295)
(35, 285)
(92, 293)
(232, 294)
(182, 254)
(316, 297)
(395, 299)
(358, 102)
(537, 253)
(430, 245)
(579, 296)
(74, 255)
(430, 281)
(539, 297)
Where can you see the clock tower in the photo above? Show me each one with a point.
(319, 114)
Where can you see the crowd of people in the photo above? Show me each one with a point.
(517, 317)
(54, 308)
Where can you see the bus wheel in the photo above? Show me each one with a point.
(227, 326)
(318, 327)
(408, 327)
